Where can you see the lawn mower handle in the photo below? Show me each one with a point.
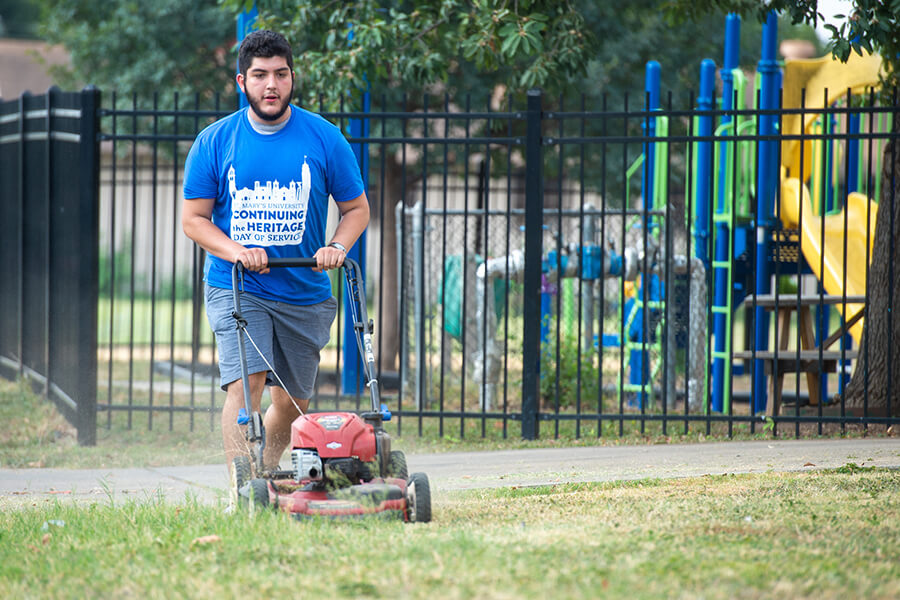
(274, 261)
(353, 274)
(291, 262)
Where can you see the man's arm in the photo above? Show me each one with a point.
(196, 221)
(354, 220)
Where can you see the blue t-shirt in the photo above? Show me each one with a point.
(272, 191)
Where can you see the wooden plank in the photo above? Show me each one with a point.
(809, 355)
(808, 341)
(840, 332)
(790, 300)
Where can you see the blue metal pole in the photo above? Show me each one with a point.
(352, 380)
(639, 359)
(651, 93)
(766, 187)
(246, 22)
(720, 285)
(546, 308)
(702, 185)
(852, 155)
(830, 145)
(732, 41)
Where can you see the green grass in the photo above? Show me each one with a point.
(170, 321)
(166, 319)
(807, 535)
(822, 534)
(37, 435)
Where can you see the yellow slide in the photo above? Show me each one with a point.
(827, 262)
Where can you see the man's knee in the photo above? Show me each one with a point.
(235, 389)
(284, 402)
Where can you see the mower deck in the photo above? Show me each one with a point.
(385, 497)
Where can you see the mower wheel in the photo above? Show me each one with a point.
(418, 498)
(397, 467)
(259, 494)
(240, 475)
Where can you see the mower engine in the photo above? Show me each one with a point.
(307, 465)
(337, 448)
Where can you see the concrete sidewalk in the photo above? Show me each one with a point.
(470, 470)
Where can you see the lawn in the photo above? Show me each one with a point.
(824, 534)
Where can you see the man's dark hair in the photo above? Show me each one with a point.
(263, 44)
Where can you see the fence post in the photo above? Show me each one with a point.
(534, 221)
(89, 228)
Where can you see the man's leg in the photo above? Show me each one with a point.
(300, 332)
(219, 311)
(233, 435)
(279, 416)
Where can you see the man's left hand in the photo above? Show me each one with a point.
(327, 258)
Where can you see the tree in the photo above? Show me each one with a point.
(18, 18)
(142, 47)
(873, 26)
(345, 46)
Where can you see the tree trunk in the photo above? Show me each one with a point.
(876, 380)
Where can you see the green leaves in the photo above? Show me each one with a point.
(429, 43)
(142, 47)
(522, 34)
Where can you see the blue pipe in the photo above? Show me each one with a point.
(720, 286)
(853, 155)
(639, 371)
(352, 380)
(766, 188)
(830, 145)
(651, 89)
(704, 161)
(732, 41)
(546, 297)
(246, 22)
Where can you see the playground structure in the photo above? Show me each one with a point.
(832, 234)
(812, 196)
(823, 237)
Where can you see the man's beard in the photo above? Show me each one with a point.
(255, 104)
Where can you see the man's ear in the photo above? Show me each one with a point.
(240, 81)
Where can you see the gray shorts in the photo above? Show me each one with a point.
(289, 336)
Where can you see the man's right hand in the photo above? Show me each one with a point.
(253, 259)
(196, 215)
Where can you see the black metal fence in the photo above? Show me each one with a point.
(535, 266)
(48, 248)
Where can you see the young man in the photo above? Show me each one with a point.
(257, 185)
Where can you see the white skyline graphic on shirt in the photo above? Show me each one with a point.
(270, 214)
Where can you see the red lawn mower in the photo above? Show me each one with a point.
(342, 465)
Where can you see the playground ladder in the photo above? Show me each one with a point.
(660, 190)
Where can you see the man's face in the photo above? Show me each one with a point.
(269, 85)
